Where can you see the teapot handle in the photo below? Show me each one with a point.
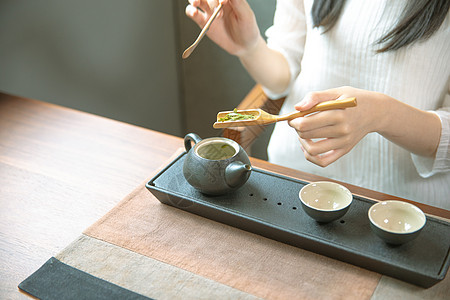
(191, 137)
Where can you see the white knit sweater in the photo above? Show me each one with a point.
(418, 75)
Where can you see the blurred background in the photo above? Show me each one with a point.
(122, 60)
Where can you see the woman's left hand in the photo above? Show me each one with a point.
(338, 130)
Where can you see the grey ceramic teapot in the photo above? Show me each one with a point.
(215, 166)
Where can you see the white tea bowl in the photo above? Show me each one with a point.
(325, 201)
(396, 222)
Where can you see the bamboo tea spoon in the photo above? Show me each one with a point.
(260, 117)
(189, 50)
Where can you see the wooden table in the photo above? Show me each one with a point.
(61, 170)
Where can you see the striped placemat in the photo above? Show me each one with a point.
(145, 249)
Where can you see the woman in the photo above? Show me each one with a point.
(393, 56)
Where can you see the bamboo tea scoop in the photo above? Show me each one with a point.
(189, 50)
(251, 117)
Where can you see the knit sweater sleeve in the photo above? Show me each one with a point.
(427, 167)
(287, 35)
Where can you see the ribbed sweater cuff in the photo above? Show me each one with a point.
(427, 166)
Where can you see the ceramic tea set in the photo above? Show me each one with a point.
(395, 222)
(217, 166)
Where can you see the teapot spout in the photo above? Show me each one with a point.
(237, 173)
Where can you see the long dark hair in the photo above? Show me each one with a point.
(419, 20)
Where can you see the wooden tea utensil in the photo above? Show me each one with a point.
(263, 118)
(189, 50)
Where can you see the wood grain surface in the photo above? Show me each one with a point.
(61, 170)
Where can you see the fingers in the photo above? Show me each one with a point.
(320, 147)
(194, 12)
(328, 132)
(207, 6)
(201, 10)
(196, 15)
(315, 98)
(324, 137)
(323, 152)
(326, 159)
(318, 121)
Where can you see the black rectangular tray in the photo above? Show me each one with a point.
(268, 205)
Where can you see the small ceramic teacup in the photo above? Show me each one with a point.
(396, 222)
(325, 201)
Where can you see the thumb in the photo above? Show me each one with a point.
(305, 104)
(314, 98)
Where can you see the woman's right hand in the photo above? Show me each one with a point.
(234, 29)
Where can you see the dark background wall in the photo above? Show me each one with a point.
(212, 80)
(122, 60)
